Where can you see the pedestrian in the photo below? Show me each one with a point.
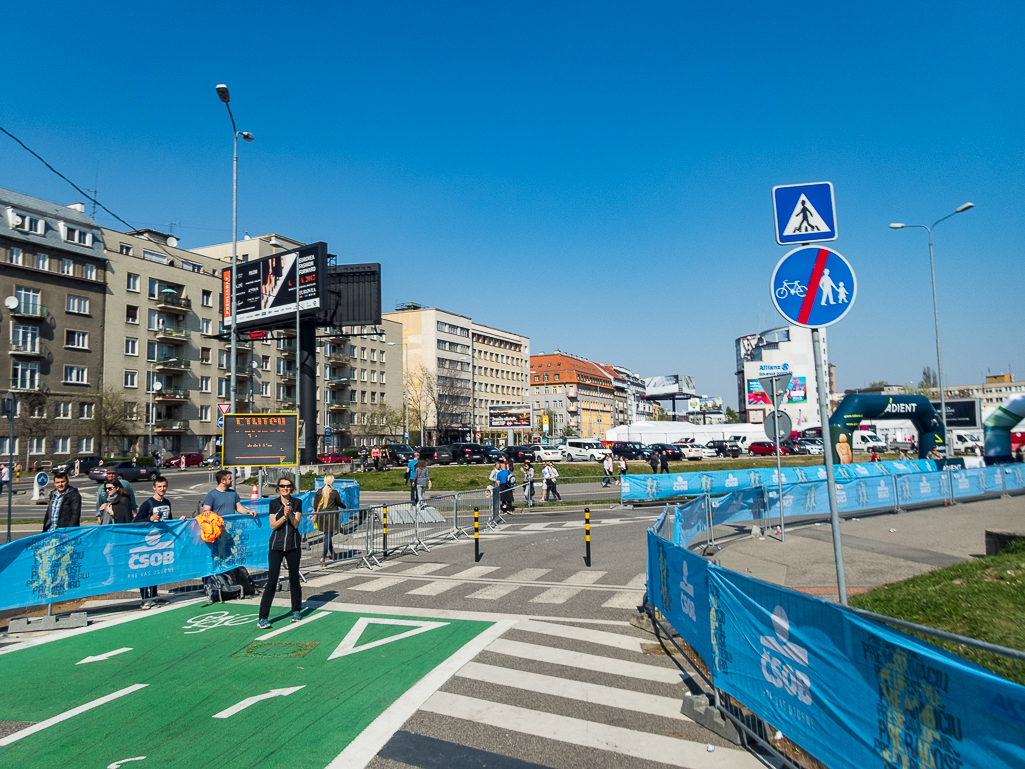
(546, 476)
(126, 487)
(606, 465)
(978, 450)
(935, 454)
(506, 484)
(623, 468)
(285, 516)
(5, 476)
(117, 508)
(384, 457)
(65, 509)
(664, 460)
(411, 476)
(422, 479)
(154, 510)
(553, 478)
(875, 456)
(653, 461)
(376, 454)
(223, 500)
(528, 482)
(327, 502)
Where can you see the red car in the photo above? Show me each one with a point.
(333, 458)
(192, 459)
(766, 448)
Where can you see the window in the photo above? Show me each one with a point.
(15, 256)
(86, 410)
(362, 396)
(204, 384)
(373, 355)
(363, 375)
(6, 448)
(131, 314)
(373, 375)
(133, 281)
(204, 355)
(191, 266)
(204, 326)
(132, 411)
(78, 340)
(42, 262)
(556, 377)
(62, 445)
(223, 390)
(131, 345)
(131, 378)
(90, 272)
(85, 445)
(153, 256)
(208, 299)
(126, 249)
(222, 359)
(37, 445)
(352, 396)
(76, 375)
(363, 353)
(382, 356)
(382, 378)
(78, 304)
(26, 338)
(204, 413)
(265, 389)
(25, 222)
(373, 397)
(75, 235)
(62, 410)
(67, 267)
(265, 362)
(24, 376)
(38, 412)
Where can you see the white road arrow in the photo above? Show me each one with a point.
(239, 707)
(117, 764)
(106, 656)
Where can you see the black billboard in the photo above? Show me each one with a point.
(353, 295)
(962, 413)
(265, 289)
(260, 440)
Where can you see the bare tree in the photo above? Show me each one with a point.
(35, 420)
(113, 417)
(422, 389)
(451, 404)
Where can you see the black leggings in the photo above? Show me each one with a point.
(274, 558)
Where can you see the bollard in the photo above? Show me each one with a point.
(384, 521)
(587, 537)
(476, 534)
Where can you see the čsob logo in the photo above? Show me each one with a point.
(687, 595)
(781, 674)
(155, 552)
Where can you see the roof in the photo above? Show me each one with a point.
(52, 213)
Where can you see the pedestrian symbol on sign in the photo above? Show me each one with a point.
(804, 212)
(805, 219)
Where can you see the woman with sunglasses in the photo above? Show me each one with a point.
(118, 507)
(285, 516)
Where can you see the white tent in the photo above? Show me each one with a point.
(670, 432)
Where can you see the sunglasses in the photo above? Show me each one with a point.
(109, 488)
(285, 486)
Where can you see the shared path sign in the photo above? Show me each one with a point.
(260, 440)
(813, 286)
(804, 213)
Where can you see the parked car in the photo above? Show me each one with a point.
(493, 454)
(546, 452)
(725, 448)
(673, 451)
(192, 459)
(585, 449)
(436, 455)
(812, 446)
(630, 450)
(519, 453)
(85, 464)
(400, 451)
(129, 470)
(766, 448)
(332, 458)
(692, 452)
(796, 447)
(466, 453)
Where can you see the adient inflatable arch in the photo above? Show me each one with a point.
(998, 426)
(858, 406)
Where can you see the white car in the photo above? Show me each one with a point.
(691, 451)
(545, 452)
(584, 450)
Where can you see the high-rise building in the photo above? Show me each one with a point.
(784, 350)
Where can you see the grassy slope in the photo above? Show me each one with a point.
(982, 599)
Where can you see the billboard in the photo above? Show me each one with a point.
(797, 392)
(260, 440)
(509, 415)
(265, 289)
(667, 386)
(962, 413)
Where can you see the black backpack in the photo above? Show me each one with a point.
(231, 584)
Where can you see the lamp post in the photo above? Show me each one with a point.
(936, 315)
(473, 394)
(8, 411)
(154, 386)
(405, 390)
(222, 92)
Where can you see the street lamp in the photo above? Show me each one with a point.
(405, 390)
(222, 92)
(936, 315)
(473, 399)
(9, 408)
(154, 386)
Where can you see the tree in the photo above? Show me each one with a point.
(451, 405)
(880, 384)
(112, 417)
(929, 379)
(568, 432)
(421, 386)
(731, 416)
(659, 414)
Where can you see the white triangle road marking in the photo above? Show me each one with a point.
(806, 220)
(348, 644)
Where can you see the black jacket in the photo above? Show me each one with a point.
(70, 512)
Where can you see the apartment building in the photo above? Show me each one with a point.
(54, 295)
(501, 372)
(579, 394)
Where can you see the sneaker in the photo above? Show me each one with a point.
(263, 624)
(160, 601)
(296, 616)
(147, 605)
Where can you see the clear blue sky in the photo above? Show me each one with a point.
(595, 175)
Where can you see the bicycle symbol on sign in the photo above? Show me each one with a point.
(789, 288)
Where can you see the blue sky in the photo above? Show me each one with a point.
(594, 175)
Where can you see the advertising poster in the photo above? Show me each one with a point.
(756, 396)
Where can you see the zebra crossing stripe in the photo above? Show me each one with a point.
(441, 586)
(583, 661)
(562, 594)
(628, 600)
(501, 591)
(573, 633)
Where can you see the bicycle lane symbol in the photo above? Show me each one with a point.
(813, 286)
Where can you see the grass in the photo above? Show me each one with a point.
(982, 599)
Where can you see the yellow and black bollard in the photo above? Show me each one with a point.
(587, 537)
(476, 534)
(384, 521)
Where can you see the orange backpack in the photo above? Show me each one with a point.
(210, 526)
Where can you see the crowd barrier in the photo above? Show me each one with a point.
(853, 693)
(668, 486)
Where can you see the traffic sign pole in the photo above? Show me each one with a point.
(779, 464)
(827, 441)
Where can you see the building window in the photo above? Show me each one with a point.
(131, 345)
(204, 384)
(132, 282)
(75, 235)
(204, 413)
(556, 377)
(37, 445)
(90, 272)
(382, 356)
(78, 340)
(67, 267)
(352, 396)
(77, 304)
(363, 375)
(222, 359)
(373, 355)
(62, 410)
(223, 390)
(208, 299)
(6, 448)
(382, 378)
(204, 355)
(85, 445)
(265, 362)
(191, 266)
(76, 375)
(362, 396)
(153, 256)
(131, 314)
(131, 378)
(15, 256)
(373, 397)
(42, 262)
(363, 353)
(204, 326)
(373, 376)
(25, 223)
(126, 249)
(265, 389)
(24, 376)
(86, 410)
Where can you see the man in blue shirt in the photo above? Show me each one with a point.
(411, 469)
(101, 495)
(223, 500)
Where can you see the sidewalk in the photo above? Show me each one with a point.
(873, 555)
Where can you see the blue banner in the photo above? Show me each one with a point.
(1014, 477)
(725, 481)
(926, 487)
(738, 506)
(678, 588)
(853, 693)
(689, 520)
(851, 496)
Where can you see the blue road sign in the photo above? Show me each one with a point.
(220, 422)
(327, 432)
(804, 213)
(813, 286)
(42, 479)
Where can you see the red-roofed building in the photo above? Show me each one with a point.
(577, 394)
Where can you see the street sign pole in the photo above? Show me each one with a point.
(834, 514)
(779, 467)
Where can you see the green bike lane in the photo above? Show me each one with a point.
(201, 686)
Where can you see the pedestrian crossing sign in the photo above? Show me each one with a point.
(804, 213)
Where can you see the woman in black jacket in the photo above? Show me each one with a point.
(285, 516)
(118, 507)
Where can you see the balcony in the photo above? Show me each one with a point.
(170, 394)
(336, 406)
(29, 310)
(335, 334)
(571, 391)
(171, 301)
(287, 350)
(336, 383)
(33, 349)
(168, 426)
(171, 364)
(284, 406)
(172, 332)
(25, 384)
(337, 356)
(288, 376)
(571, 408)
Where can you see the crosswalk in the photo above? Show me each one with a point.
(483, 583)
(584, 697)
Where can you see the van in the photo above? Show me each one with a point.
(743, 441)
(863, 440)
(583, 449)
(965, 443)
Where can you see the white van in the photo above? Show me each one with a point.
(867, 441)
(965, 443)
(584, 449)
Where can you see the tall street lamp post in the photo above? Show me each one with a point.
(153, 387)
(9, 407)
(936, 315)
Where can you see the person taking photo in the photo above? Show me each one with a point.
(285, 516)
